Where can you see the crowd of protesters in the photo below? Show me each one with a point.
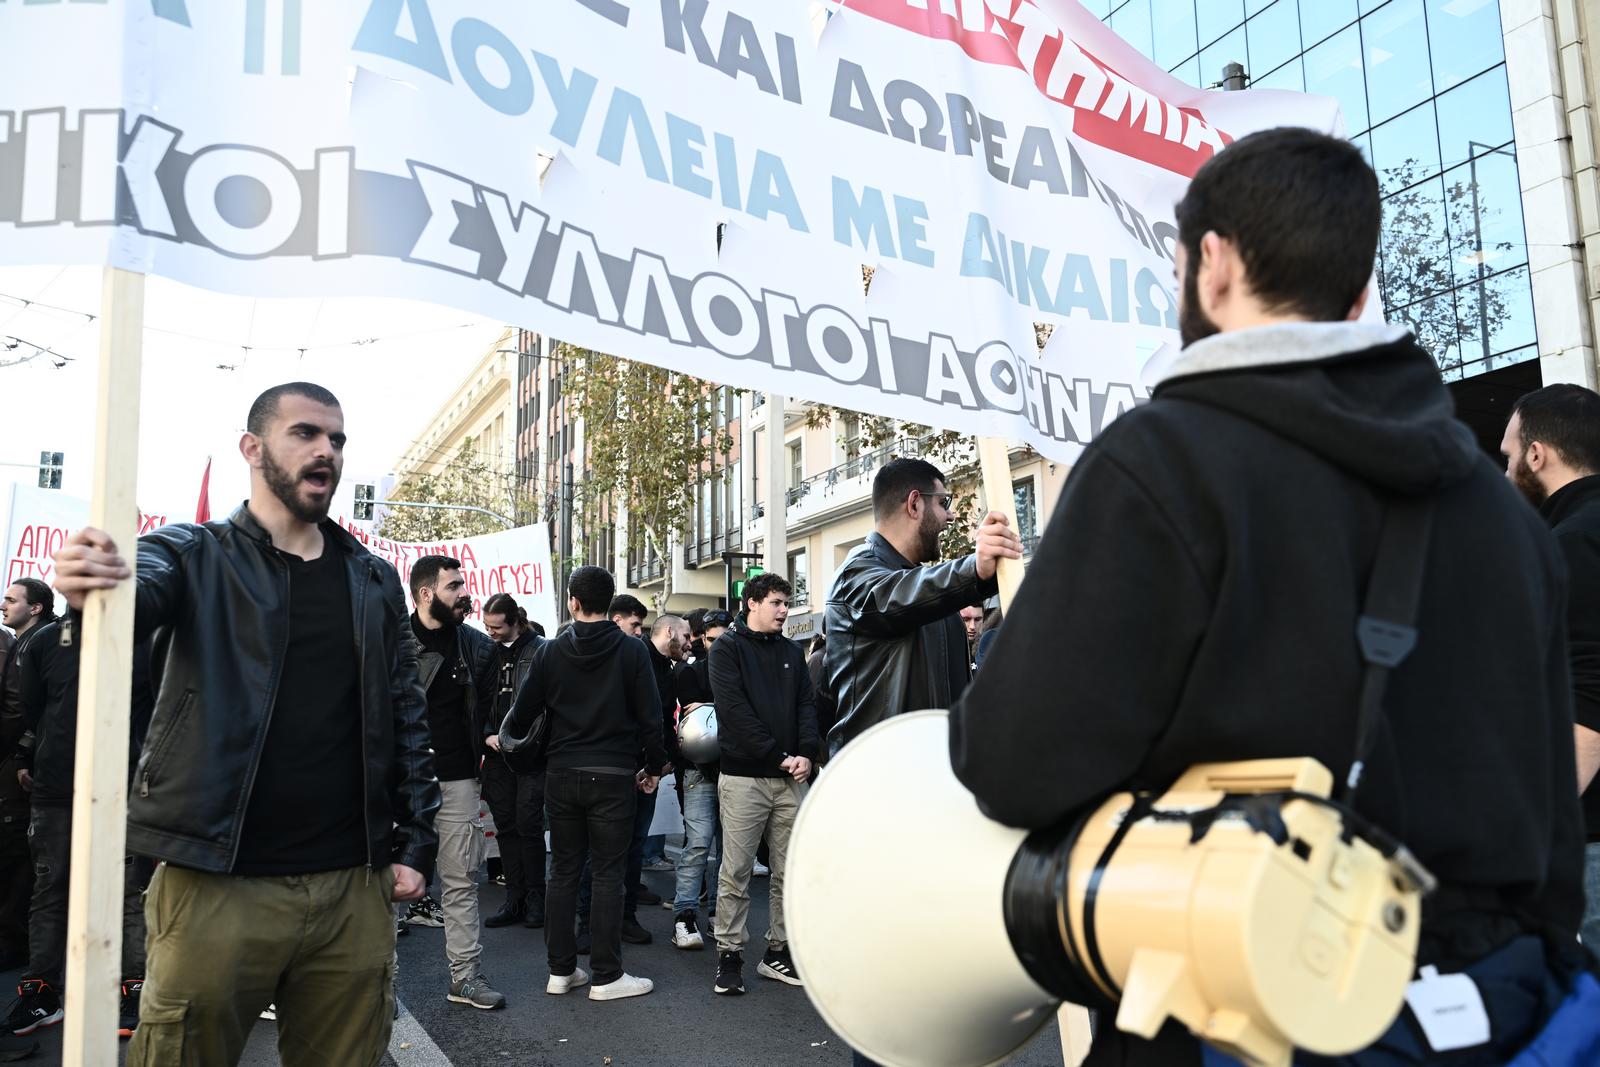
(309, 754)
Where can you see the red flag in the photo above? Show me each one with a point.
(202, 510)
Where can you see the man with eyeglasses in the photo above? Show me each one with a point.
(457, 667)
(895, 638)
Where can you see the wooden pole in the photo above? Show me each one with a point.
(994, 460)
(100, 793)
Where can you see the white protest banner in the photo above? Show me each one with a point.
(512, 561)
(38, 522)
(693, 183)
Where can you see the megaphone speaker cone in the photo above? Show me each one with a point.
(895, 903)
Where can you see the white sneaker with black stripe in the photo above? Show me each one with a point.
(686, 932)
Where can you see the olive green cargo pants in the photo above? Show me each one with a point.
(221, 948)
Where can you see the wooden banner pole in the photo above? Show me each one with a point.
(994, 461)
(100, 793)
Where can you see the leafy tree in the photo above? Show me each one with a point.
(468, 479)
(648, 438)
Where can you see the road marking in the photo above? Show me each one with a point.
(410, 1045)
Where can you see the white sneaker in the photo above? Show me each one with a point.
(686, 934)
(626, 986)
(761, 870)
(270, 1013)
(566, 983)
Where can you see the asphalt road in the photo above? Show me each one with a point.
(681, 1022)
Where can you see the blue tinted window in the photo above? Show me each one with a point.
(1188, 71)
(1231, 49)
(1436, 325)
(1174, 31)
(1398, 78)
(1319, 19)
(1477, 113)
(1217, 17)
(1253, 6)
(1406, 149)
(1508, 299)
(1098, 8)
(1466, 39)
(1132, 23)
(1416, 252)
(1289, 76)
(1371, 5)
(1485, 228)
(1333, 68)
(1274, 37)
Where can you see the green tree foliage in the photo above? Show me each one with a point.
(468, 479)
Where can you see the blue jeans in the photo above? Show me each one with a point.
(701, 857)
(1589, 932)
(655, 848)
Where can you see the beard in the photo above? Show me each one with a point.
(286, 487)
(1192, 322)
(928, 538)
(1527, 482)
(444, 616)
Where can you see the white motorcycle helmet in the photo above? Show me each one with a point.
(697, 734)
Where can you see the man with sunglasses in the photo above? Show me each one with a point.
(457, 666)
(895, 639)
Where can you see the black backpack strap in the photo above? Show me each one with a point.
(1386, 630)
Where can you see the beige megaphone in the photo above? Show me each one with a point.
(1263, 924)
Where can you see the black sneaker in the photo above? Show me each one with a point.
(730, 974)
(401, 928)
(535, 918)
(513, 911)
(38, 1004)
(647, 896)
(777, 964)
(128, 1013)
(633, 933)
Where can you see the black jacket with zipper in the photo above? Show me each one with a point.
(214, 598)
(765, 711)
(1573, 512)
(515, 663)
(1194, 599)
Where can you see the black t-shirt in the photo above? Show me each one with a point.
(453, 758)
(306, 809)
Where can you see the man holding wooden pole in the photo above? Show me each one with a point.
(286, 783)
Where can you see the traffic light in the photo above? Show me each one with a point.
(736, 600)
(366, 495)
(50, 467)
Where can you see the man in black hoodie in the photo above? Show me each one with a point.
(1196, 594)
(1552, 450)
(595, 685)
(767, 731)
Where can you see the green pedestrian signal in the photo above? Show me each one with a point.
(736, 601)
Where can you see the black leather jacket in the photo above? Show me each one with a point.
(479, 652)
(215, 599)
(889, 624)
(514, 663)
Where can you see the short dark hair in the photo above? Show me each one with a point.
(896, 479)
(762, 586)
(505, 604)
(626, 604)
(265, 409)
(593, 587)
(696, 618)
(38, 594)
(1303, 210)
(1566, 418)
(425, 571)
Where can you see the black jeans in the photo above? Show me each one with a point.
(16, 880)
(50, 838)
(643, 815)
(590, 815)
(517, 803)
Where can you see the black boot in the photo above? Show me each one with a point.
(514, 910)
(535, 909)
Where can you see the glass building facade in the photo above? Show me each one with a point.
(1423, 88)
